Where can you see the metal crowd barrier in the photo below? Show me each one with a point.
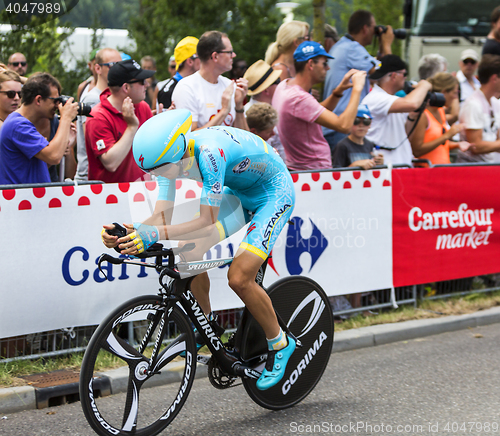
(65, 341)
(50, 185)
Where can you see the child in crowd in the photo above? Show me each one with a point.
(356, 150)
(261, 120)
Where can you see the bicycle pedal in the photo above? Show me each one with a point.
(200, 358)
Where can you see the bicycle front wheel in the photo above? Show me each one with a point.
(123, 346)
(305, 309)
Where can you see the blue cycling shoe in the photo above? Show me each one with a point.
(276, 366)
(200, 343)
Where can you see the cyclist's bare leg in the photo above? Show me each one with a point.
(200, 287)
(241, 276)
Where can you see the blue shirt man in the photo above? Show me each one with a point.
(350, 52)
(20, 142)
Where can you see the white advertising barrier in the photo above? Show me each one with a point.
(49, 271)
(342, 232)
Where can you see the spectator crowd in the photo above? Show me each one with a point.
(369, 113)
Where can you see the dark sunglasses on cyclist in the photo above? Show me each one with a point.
(365, 121)
(470, 61)
(11, 94)
(16, 64)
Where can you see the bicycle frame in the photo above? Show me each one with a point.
(178, 292)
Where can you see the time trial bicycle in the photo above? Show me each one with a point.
(165, 349)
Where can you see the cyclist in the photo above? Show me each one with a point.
(233, 164)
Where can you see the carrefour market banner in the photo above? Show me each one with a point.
(446, 223)
(341, 237)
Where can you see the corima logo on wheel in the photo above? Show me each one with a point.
(318, 306)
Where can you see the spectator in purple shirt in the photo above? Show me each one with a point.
(24, 152)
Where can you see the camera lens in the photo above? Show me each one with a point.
(400, 33)
(436, 99)
(84, 109)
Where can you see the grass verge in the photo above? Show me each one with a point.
(11, 372)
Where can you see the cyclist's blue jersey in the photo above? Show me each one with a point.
(236, 162)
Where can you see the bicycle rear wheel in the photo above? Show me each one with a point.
(125, 340)
(304, 307)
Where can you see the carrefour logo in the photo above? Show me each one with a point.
(315, 245)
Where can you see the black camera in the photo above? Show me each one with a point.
(435, 99)
(83, 108)
(398, 33)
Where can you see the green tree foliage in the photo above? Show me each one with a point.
(43, 42)
(161, 24)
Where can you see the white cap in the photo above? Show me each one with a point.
(469, 54)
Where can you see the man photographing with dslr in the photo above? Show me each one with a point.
(350, 53)
(24, 152)
(391, 121)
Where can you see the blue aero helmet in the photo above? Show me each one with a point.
(363, 112)
(162, 139)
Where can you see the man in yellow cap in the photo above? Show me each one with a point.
(187, 63)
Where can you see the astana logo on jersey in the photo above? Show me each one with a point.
(242, 166)
(217, 188)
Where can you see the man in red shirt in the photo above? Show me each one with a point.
(115, 120)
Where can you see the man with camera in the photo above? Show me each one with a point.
(390, 120)
(350, 53)
(24, 152)
(111, 129)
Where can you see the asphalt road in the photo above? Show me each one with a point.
(439, 385)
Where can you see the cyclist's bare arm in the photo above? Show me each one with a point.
(162, 215)
(203, 226)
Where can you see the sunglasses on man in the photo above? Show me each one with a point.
(11, 94)
(469, 61)
(56, 100)
(108, 64)
(365, 121)
(16, 64)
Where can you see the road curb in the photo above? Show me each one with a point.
(403, 331)
(25, 397)
(17, 399)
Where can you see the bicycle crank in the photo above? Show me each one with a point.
(217, 377)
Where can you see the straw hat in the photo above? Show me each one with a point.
(260, 76)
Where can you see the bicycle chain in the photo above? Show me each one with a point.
(217, 377)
